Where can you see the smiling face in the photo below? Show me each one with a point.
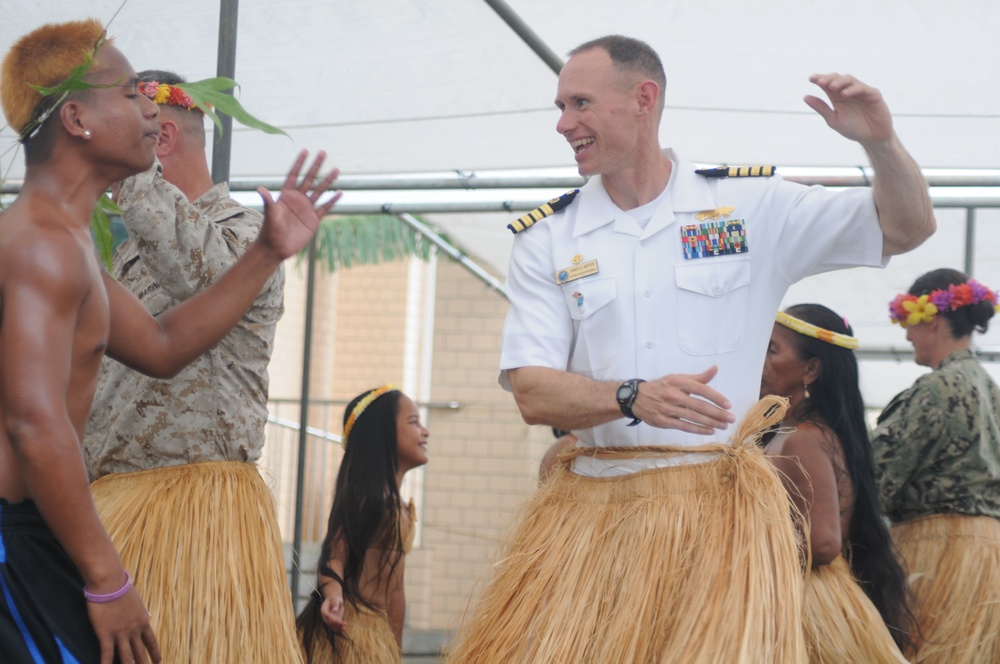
(599, 112)
(121, 122)
(784, 369)
(411, 436)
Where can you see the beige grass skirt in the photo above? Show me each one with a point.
(691, 563)
(369, 641)
(841, 624)
(954, 566)
(203, 546)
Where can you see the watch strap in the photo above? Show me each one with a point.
(626, 404)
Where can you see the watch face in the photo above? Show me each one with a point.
(624, 392)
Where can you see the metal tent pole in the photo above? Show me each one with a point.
(454, 253)
(226, 66)
(300, 469)
(970, 240)
(524, 31)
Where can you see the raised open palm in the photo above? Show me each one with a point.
(291, 220)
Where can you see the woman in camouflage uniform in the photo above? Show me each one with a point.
(937, 455)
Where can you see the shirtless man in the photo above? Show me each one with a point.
(60, 312)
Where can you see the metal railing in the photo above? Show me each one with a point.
(279, 461)
(322, 462)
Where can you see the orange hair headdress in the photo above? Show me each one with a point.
(45, 57)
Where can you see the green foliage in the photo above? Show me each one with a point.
(366, 239)
(210, 92)
(100, 228)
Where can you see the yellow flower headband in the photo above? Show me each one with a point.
(816, 332)
(360, 408)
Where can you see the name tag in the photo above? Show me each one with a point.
(568, 274)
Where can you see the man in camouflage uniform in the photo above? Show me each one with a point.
(937, 462)
(173, 460)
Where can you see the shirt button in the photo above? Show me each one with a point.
(649, 344)
(642, 243)
(646, 293)
(716, 290)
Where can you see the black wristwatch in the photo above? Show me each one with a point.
(626, 394)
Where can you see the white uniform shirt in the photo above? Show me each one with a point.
(649, 311)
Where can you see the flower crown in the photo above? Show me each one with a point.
(816, 332)
(360, 408)
(164, 93)
(907, 309)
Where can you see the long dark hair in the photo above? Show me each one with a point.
(365, 512)
(835, 401)
(961, 321)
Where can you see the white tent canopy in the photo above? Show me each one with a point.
(400, 86)
(415, 86)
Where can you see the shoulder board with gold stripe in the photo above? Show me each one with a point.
(539, 213)
(737, 171)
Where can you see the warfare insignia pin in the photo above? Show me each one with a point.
(724, 211)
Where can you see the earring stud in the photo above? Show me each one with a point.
(86, 133)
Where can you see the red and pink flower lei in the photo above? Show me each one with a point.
(910, 309)
(164, 93)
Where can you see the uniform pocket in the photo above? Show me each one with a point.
(712, 305)
(592, 305)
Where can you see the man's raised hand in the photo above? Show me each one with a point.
(290, 222)
(857, 111)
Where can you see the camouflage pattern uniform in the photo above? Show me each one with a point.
(937, 445)
(937, 459)
(216, 407)
(210, 538)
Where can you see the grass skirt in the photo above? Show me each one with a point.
(203, 546)
(369, 641)
(954, 566)
(690, 563)
(841, 624)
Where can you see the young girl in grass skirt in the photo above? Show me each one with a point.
(355, 615)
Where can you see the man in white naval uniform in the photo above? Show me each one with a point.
(640, 315)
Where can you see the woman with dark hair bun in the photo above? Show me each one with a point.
(856, 604)
(355, 615)
(937, 458)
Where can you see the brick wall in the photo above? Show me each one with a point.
(483, 458)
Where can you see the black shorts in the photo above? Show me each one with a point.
(43, 614)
